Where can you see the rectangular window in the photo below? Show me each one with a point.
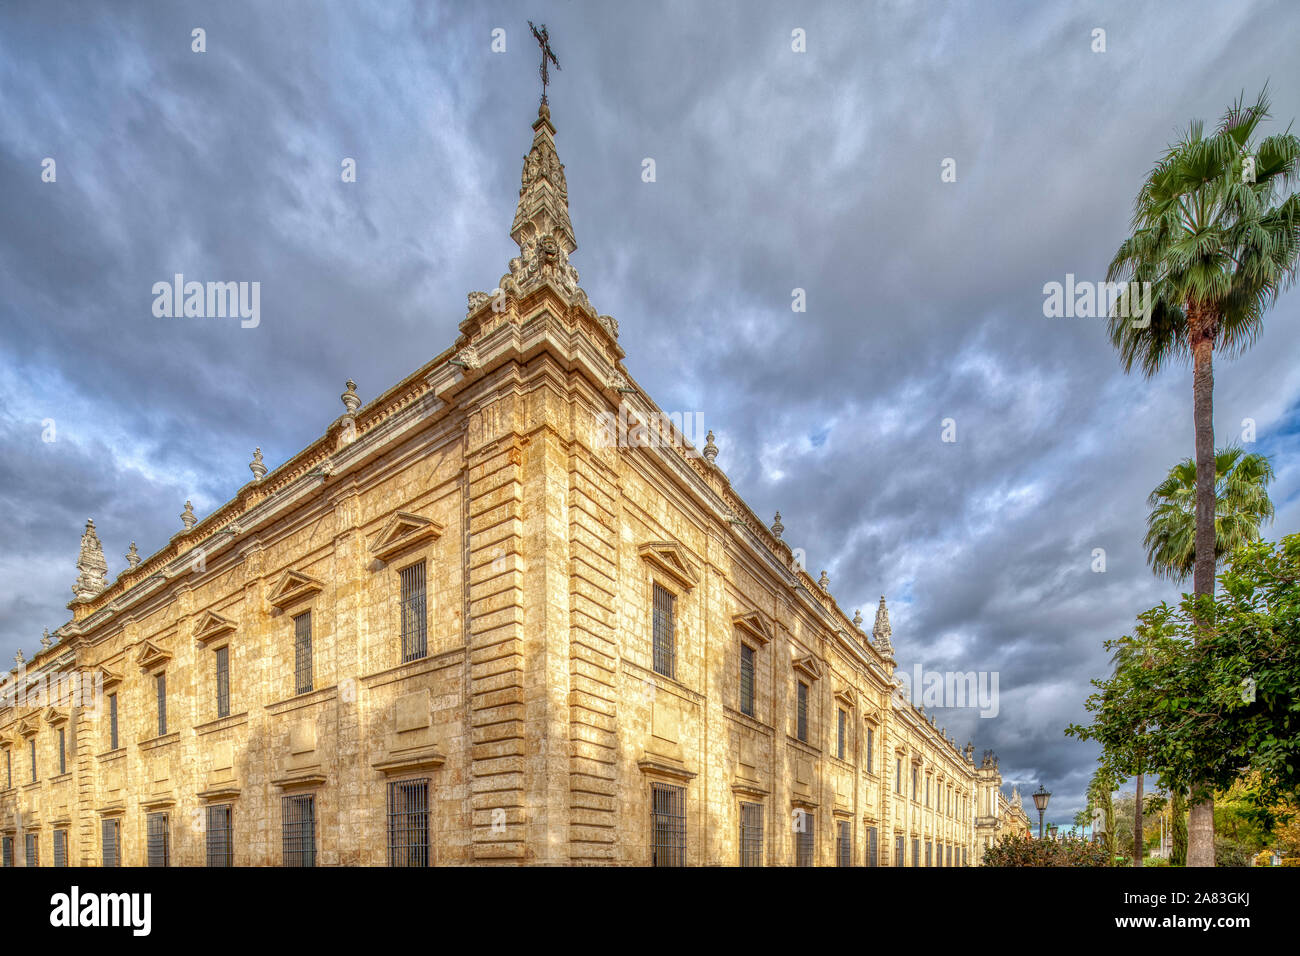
(665, 649)
(63, 751)
(916, 851)
(302, 653)
(408, 823)
(60, 847)
(161, 683)
(159, 844)
(221, 842)
(949, 863)
(841, 731)
(898, 775)
(871, 749)
(803, 839)
(32, 859)
(667, 825)
(751, 834)
(801, 725)
(223, 681)
(299, 831)
(110, 833)
(844, 843)
(928, 858)
(872, 849)
(112, 721)
(32, 743)
(747, 680)
(916, 784)
(414, 619)
(8, 850)
(899, 845)
(938, 854)
(963, 856)
(927, 790)
(9, 769)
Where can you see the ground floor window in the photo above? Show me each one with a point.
(159, 840)
(408, 823)
(751, 834)
(221, 843)
(298, 830)
(803, 837)
(872, 858)
(60, 847)
(844, 843)
(111, 837)
(32, 855)
(667, 825)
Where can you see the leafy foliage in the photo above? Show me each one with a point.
(1016, 850)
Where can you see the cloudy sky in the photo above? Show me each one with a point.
(775, 170)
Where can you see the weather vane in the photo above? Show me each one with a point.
(544, 41)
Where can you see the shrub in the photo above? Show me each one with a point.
(1014, 850)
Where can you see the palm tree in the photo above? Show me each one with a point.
(1241, 506)
(1216, 239)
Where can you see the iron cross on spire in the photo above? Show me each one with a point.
(544, 41)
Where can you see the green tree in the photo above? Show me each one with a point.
(1242, 505)
(1178, 829)
(1216, 234)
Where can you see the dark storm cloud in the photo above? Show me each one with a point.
(774, 171)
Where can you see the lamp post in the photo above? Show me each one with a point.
(1041, 796)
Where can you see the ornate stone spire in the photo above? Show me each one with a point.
(710, 449)
(188, 517)
(882, 631)
(777, 527)
(351, 400)
(824, 582)
(257, 466)
(132, 557)
(92, 569)
(46, 640)
(857, 618)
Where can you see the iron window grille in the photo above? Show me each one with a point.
(898, 775)
(9, 770)
(871, 747)
(63, 752)
(667, 825)
(32, 742)
(747, 680)
(949, 855)
(927, 790)
(414, 618)
(803, 839)
(665, 650)
(8, 850)
(302, 653)
(801, 725)
(938, 854)
(873, 858)
(844, 843)
(223, 681)
(60, 847)
(963, 856)
(220, 836)
(916, 784)
(928, 858)
(299, 831)
(32, 850)
(840, 733)
(111, 834)
(408, 823)
(751, 834)
(916, 851)
(162, 704)
(159, 840)
(112, 721)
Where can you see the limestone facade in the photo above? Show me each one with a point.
(485, 572)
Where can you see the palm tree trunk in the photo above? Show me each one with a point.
(1202, 327)
(1138, 842)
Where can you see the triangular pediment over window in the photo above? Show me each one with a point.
(809, 666)
(293, 586)
(106, 676)
(54, 716)
(212, 625)
(754, 625)
(29, 726)
(845, 696)
(151, 656)
(670, 558)
(401, 532)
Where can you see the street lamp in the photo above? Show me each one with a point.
(1041, 796)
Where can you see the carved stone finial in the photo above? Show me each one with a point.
(351, 400)
(857, 618)
(92, 576)
(777, 527)
(710, 449)
(256, 466)
(46, 640)
(18, 658)
(824, 582)
(132, 557)
(188, 517)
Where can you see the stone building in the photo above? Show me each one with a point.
(504, 612)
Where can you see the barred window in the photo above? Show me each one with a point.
(844, 843)
(408, 823)
(161, 682)
(898, 775)
(747, 680)
(916, 851)
(871, 748)
(63, 751)
(60, 847)
(949, 855)
(32, 848)
(9, 769)
(899, 845)
(840, 733)
(159, 844)
(751, 834)
(927, 854)
(963, 856)
(801, 720)
(667, 825)
(112, 721)
(299, 831)
(223, 681)
(302, 653)
(916, 784)
(872, 850)
(220, 836)
(938, 854)
(7, 850)
(32, 742)
(414, 618)
(927, 789)
(111, 835)
(665, 650)
(803, 838)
